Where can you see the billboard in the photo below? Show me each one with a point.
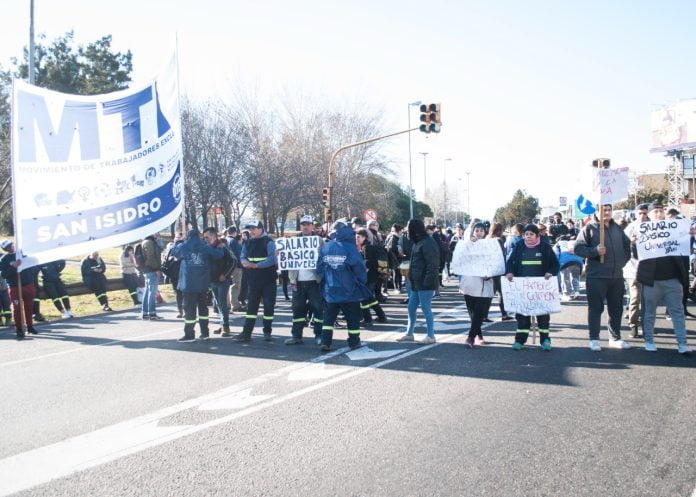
(673, 127)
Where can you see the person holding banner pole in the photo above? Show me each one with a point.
(532, 257)
(21, 294)
(306, 293)
(663, 278)
(604, 278)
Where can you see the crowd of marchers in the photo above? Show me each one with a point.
(237, 272)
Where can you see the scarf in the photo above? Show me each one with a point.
(538, 242)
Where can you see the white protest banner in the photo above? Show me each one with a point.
(480, 258)
(97, 171)
(299, 252)
(610, 185)
(663, 238)
(534, 296)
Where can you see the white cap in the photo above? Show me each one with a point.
(307, 219)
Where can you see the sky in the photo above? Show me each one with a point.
(531, 91)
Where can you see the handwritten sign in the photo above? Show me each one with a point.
(531, 296)
(663, 238)
(481, 258)
(610, 185)
(299, 252)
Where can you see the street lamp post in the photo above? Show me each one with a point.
(444, 185)
(468, 194)
(425, 170)
(410, 176)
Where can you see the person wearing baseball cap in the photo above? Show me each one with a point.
(663, 279)
(9, 264)
(306, 292)
(258, 258)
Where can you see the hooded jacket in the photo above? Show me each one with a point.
(342, 268)
(195, 256)
(618, 250)
(50, 271)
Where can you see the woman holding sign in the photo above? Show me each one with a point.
(532, 257)
(478, 294)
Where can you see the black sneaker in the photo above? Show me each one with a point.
(144, 317)
(325, 348)
(155, 317)
(180, 315)
(355, 345)
(204, 337)
(32, 330)
(242, 337)
(367, 324)
(39, 318)
(382, 320)
(267, 336)
(185, 339)
(487, 320)
(107, 308)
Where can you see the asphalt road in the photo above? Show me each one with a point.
(110, 405)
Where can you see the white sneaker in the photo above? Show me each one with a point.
(427, 340)
(594, 346)
(70, 314)
(618, 344)
(650, 347)
(565, 298)
(65, 315)
(574, 295)
(683, 349)
(405, 338)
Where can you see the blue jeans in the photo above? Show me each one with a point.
(150, 294)
(424, 299)
(220, 290)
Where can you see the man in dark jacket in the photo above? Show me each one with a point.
(344, 283)
(151, 272)
(8, 270)
(604, 279)
(259, 260)
(663, 279)
(93, 276)
(194, 280)
(220, 273)
(55, 288)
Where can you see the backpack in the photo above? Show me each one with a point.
(139, 256)
(382, 258)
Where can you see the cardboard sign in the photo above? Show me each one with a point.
(610, 185)
(531, 296)
(298, 252)
(663, 238)
(481, 258)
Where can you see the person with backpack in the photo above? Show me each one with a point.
(170, 268)
(344, 283)
(55, 288)
(375, 260)
(93, 272)
(148, 259)
(220, 273)
(392, 247)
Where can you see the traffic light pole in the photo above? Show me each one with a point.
(328, 211)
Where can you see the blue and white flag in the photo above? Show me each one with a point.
(94, 172)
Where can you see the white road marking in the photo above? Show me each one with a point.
(236, 400)
(365, 353)
(34, 467)
(316, 372)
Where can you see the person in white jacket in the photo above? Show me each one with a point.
(478, 294)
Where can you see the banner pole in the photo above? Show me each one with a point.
(22, 318)
(601, 231)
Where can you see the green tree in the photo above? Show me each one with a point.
(62, 66)
(81, 70)
(522, 208)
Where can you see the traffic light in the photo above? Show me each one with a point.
(601, 163)
(430, 117)
(325, 197)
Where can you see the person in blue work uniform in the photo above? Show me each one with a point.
(259, 260)
(344, 283)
